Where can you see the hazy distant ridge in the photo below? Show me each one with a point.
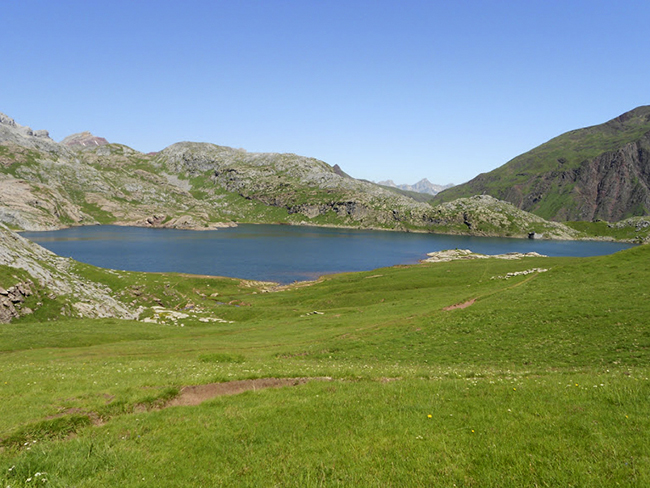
(422, 186)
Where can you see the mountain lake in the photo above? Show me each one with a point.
(279, 253)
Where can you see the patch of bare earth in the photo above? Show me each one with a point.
(194, 395)
(460, 305)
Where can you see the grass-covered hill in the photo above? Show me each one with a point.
(85, 180)
(600, 172)
(509, 373)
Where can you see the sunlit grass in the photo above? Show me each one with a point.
(543, 381)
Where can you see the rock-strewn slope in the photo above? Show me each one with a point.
(485, 215)
(600, 172)
(305, 188)
(54, 277)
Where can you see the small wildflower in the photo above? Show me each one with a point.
(472, 430)
(515, 389)
(429, 416)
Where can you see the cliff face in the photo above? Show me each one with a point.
(612, 187)
(616, 185)
(601, 172)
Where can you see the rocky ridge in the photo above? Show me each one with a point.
(303, 187)
(12, 300)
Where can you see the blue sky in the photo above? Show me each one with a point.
(386, 89)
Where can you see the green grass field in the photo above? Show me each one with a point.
(542, 381)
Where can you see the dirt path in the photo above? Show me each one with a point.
(460, 305)
(193, 395)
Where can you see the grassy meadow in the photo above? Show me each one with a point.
(541, 381)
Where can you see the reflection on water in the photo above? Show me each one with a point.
(278, 253)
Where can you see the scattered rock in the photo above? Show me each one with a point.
(11, 301)
(520, 273)
(464, 254)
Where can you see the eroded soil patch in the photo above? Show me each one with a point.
(460, 305)
(194, 395)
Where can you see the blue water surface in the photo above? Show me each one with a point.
(279, 253)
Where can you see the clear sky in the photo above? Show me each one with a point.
(396, 90)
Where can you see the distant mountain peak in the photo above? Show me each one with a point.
(422, 186)
(85, 139)
(337, 169)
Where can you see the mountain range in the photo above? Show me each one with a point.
(422, 186)
(86, 180)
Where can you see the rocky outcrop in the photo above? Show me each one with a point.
(465, 254)
(56, 277)
(12, 300)
(23, 136)
(186, 222)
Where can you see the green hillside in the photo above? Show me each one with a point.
(599, 172)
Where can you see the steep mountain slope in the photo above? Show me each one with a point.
(599, 172)
(86, 180)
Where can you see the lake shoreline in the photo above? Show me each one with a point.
(227, 225)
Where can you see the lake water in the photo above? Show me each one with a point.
(278, 253)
